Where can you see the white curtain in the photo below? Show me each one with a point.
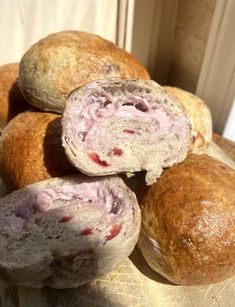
(24, 22)
(229, 131)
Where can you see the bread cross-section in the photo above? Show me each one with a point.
(120, 125)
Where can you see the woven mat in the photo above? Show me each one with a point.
(227, 146)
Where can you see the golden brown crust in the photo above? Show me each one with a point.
(31, 149)
(63, 61)
(12, 101)
(199, 116)
(189, 216)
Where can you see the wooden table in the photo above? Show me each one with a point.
(227, 146)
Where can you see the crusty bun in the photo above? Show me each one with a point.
(188, 222)
(199, 116)
(31, 149)
(64, 232)
(12, 101)
(122, 125)
(63, 61)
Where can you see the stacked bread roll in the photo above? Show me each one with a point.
(199, 115)
(188, 222)
(71, 217)
(12, 101)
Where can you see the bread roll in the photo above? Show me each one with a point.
(121, 125)
(31, 149)
(64, 232)
(199, 116)
(63, 61)
(188, 222)
(12, 101)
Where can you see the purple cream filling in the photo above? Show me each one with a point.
(84, 194)
(99, 107)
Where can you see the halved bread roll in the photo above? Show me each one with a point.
(121, 125)
(64, 232)
(12, 101)
(31, 150)
(199, 116)
(61, 62)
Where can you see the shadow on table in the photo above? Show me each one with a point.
(138, 260)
